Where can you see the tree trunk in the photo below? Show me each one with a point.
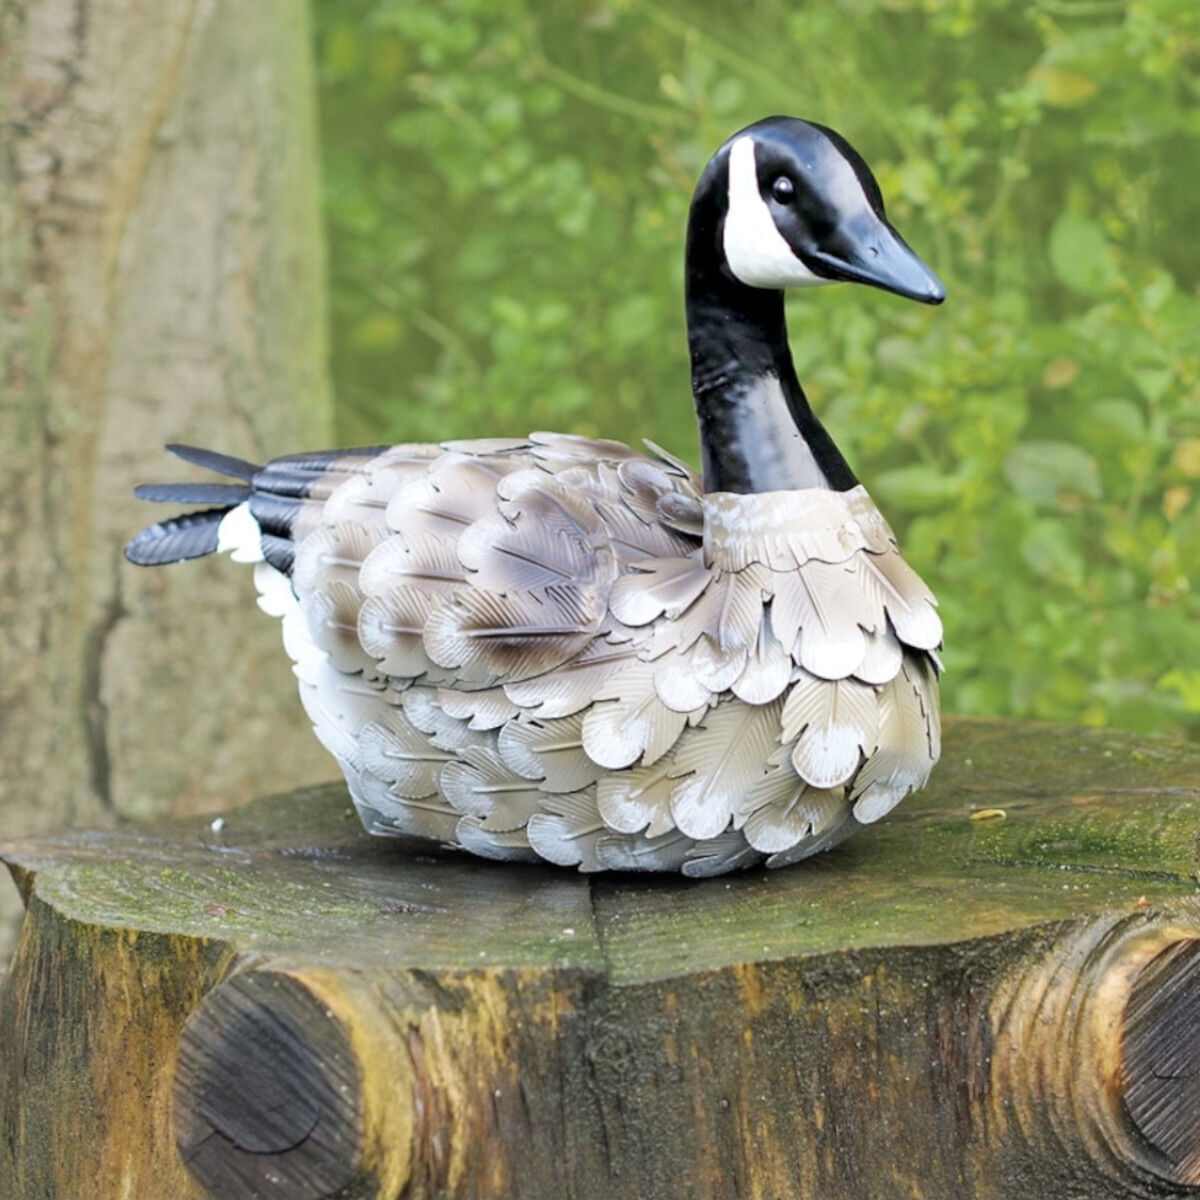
(161, 278)
(995, 992)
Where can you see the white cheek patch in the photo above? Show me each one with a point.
(755, 250)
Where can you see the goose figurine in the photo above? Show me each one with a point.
(559, 648)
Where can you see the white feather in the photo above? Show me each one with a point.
(240, 535)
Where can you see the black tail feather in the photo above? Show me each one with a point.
(274, 514)
(194, 493)
(181, 538)
(280, 552)
(277, 493)
(223, 464)
(195, 534)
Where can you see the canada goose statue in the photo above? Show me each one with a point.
(563, 649)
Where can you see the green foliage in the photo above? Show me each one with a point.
(507, 187)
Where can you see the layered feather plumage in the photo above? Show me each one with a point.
(561, 649)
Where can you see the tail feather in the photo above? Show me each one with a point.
(274, 514)
(223, 464)
(278, 498)
(181, 538)
(195, 534)
(280, 552)
(225, 494)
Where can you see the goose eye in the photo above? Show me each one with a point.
(783, 189)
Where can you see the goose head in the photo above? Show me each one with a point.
(784, 203)
(796, 206)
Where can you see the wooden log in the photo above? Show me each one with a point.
(955, 1003)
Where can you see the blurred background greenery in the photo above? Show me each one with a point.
(506, 191)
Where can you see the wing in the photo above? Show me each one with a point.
(569, 652)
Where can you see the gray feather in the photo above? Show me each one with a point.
(396, 751)
(638, 800)
(573, 685)
(391, 629)
(720, 855)
(567, 829)
(486, 635)
(725, 756)
(549, 751)
(629, 721)
(488, 708)
(479, 783)
(834, 725)
(510, 846)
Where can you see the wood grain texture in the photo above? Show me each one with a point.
(942, 1007)
(160, 278)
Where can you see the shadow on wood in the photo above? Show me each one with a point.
(949, 1005)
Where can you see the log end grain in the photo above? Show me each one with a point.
(267, 1092)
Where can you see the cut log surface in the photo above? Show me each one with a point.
(993, 992)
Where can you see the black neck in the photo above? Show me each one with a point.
(757, 431)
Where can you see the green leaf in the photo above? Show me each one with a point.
(1121, 416)
(1048, 548)
(1044, 471)
(917, 487)
(1080, 256)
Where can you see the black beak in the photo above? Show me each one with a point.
(870, 251)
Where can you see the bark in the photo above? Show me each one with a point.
(949, 1005)
(160, 278)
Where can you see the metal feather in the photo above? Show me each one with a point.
(488, 708)
(549, 539)
(909, 742)
(391, 628)
(365, 498)
(566, 829)
(383, 812)
(781, 809)
(549, 751)
(895, 586)
(485, 635)
(724, 757)
(421, 707)
(675, 466)
(629, 852)
(340, 706)
(768, 669)
(629, 722)
(332, 553)
(455, 492)
(838, 832)
(560, 451)
(509, 846)
(479, 783)
(881, 658)
(682, 513)
(833, 724)
(393, 749)
(656, 587)
(424, 560)
(332, 612)
(643, 483)
(572, 685)
(814, 615)
(727, 852)
(638, 800)
(485, 447)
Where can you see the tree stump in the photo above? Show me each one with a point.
(994, 992)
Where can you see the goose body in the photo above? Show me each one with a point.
(564, 649)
